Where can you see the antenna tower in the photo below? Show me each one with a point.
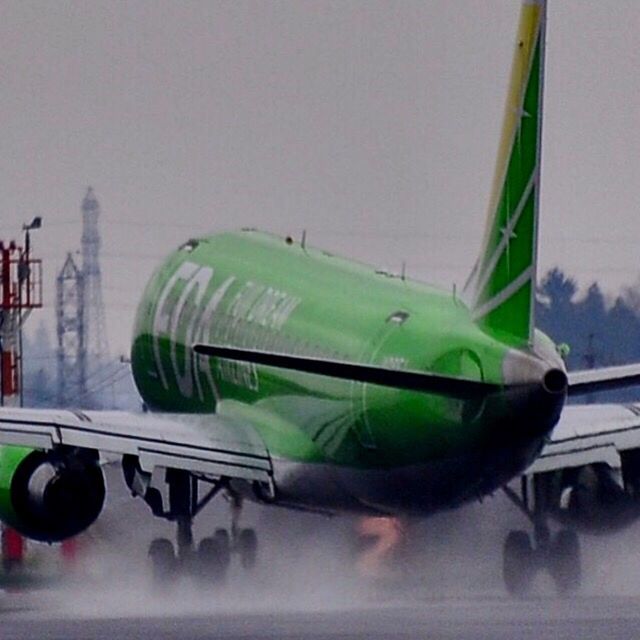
(72, 354)
(96, 343)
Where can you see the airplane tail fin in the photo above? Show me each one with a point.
(501, 287)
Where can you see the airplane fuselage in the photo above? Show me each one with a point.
(338, 444)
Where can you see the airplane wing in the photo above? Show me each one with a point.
(590, 380)
(211, 445)
(577, 382)
(588, 434)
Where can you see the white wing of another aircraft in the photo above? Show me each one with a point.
(588, 434)
(591, 380)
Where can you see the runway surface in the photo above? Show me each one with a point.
(491, 618)
(446, 584)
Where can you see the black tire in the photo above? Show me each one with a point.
(224, 542)
(163, 562)
(214, 556)
(565, 564)
(248, 548)
(518, 563)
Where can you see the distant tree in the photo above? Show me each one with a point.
(555, 305)
(631, 296)
(589, 327)
(599, 334)
(557, 290)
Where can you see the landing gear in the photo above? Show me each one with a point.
(519, 565)
(565, 562)
(207, 561)
(559, 555)
(244, 541)
(214, 557)
(248, 548)
(163, 562)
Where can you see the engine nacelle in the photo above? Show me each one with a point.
(590, 498)
(50, 496)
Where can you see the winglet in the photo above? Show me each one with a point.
(501, 287)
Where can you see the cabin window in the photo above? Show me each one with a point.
(189, 245)
(398, 317)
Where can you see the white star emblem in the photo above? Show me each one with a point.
(521, 113)
(505, 231)
(508, 235)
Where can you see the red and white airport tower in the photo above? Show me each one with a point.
(20, 293)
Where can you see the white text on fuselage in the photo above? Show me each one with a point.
(189, 311)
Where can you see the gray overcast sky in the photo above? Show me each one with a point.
(372, 124)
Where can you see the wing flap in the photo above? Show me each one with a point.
(607, 454)
(211, 445)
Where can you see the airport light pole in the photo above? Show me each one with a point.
(24, 278)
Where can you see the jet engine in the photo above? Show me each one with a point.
(50, 496)
(591, 498)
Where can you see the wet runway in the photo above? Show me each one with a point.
(449, 588)
(492, 618)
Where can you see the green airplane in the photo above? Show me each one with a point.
(285, 375)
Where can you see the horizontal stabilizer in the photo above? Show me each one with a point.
(397, 378)
(605, 379)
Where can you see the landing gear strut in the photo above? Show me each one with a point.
(209, 560)
(522, 559)
(244, 541)
(167, 562)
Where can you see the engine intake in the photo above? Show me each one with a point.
(56, 495)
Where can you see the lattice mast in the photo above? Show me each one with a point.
(95, 327)
(20, 293)
(72, 353)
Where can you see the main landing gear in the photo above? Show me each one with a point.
(523, 558)
(208, 561)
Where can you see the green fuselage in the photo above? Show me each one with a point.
(338, 444)
(258, 291)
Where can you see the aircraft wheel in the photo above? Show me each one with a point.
(214, 555)
(248, 547)
(565, 563)
(224, 542)
(163, 562)
(518, 563)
